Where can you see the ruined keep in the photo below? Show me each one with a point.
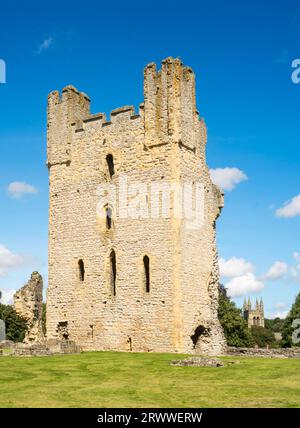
(28, 303)
(123, 283)
(254, 315)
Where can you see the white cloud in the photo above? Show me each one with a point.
(295, 272)
(280, 305)
(234, 267)
(290, 208)
(9, 261)
(243, 285)
(45, 45)
(296, 256)
(7, 296)
(276, 271)
(227, 178)
(17, 189)
(280, 314)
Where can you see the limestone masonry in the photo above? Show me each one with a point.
(28, 303)
(123, 283)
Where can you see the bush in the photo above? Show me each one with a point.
(15, 325)
(234, 326)
(263, 337)
(288, 329)
(276, 324)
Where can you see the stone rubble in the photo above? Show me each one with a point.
(199, 362)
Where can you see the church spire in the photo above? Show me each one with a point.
(261, 305)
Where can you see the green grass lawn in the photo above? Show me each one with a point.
(111, 379)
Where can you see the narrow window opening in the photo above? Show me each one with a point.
(129, 341)
(92, 330)
(108, 217)
(146, 261)
(110, 164)
(113, 271)
(81, 270)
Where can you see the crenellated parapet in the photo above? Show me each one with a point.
(168, 113)
(70, 107)
(120, 115)
(170, 103)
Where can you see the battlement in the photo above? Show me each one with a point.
(70, 97)
(67, 90)
(170, 103)
(121, 114)
(71, 106)
(168, 113)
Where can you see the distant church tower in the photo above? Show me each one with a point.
(254, 316)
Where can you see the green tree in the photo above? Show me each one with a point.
(15, 325)
(288, 327)
(234, 326)
(276, 324)
(263, 337)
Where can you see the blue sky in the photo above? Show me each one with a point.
(241, 54)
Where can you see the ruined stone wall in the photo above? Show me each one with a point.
(199, 258)
(264, 352)
(164, 143)
(28, 303)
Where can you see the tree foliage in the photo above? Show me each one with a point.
(263, 337)
(234, 326)
(15, 325)
(276, 324)
(288, 327)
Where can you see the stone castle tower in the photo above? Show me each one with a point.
(255, 315)
(131, 282)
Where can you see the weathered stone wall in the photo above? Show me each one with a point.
(164, 143)
(264, 352)
(50, 347)
(28, 303)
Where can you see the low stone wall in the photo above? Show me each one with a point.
(6, 344)
(264, 352)
(53, 347)
(30, 351)
(63, 346)
(50, 347)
